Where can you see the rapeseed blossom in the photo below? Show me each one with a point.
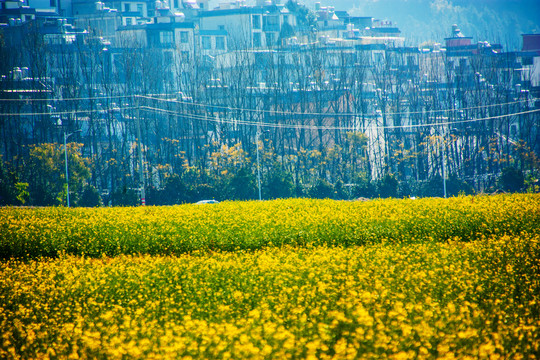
(294, 279)
(231, 226)
(422, 301)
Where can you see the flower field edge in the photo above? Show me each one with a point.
(232, 226)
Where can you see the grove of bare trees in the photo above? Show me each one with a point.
(312, 120)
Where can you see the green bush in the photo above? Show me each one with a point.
(90, 197)
(511, 180)
(322, 190)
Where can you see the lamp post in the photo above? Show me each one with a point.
(257, 136)
(444, 168)
(258, 163)
(443, 153)
(66, 161)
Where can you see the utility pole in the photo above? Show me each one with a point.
(444, 161)
(258, 162)
(66, 161)
(141, 171)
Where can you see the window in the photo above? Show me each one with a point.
(206, 43)
(166, 37)
(257, 39)
(527, 60)
(269, 39)
(220, 43)
(129, 21)
(53, 3)
(140, 9)
(272, 20)
(256, 20)
(285, 19)
(175, 4)
(127, 7)
(184, 37)
(221, 27)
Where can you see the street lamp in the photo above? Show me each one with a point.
(257, 135)
(258, 163)
(444, 171)
(66, 160)
(446, 137)
(443, 150)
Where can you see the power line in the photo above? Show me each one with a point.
(63, 112)
(191, 103)
(69, 99)
(275, 112)
(272, 125)
(316, 127)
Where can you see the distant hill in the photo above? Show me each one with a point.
(496, 21)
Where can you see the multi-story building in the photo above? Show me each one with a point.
(530, 61)
(249, 27)
(15, 12)
(18, 19)
(58, 7)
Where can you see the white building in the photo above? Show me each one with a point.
(249, 27)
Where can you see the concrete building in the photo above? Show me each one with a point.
(530, 60)
(460, 45)
(250, 27)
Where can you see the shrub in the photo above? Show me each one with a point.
(511, 179)
(322, 190)
(90, 197)
(388, 186)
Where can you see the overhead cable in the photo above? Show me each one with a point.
(317, 127)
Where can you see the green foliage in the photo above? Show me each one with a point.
(125, 197)
(242, 185)
(46, 174)
(404, 189)
(278, 184)
(90, 197)
(511, 179)
(336, 172)
(8, 189)
(22, 192)
(363, 187)
(322, 190)
(341, 193)
(303, 15)
(175, 191)
(532, 183)
(387, 187)
(454, 187)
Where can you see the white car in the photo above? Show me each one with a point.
(206, 202)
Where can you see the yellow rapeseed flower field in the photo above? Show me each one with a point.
(289, 279)
(230, 226)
